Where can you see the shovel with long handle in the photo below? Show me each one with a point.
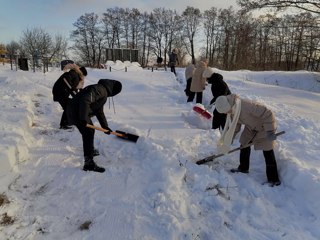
(120, 134)
(212, 157)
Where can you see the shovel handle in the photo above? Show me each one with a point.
(104, 130)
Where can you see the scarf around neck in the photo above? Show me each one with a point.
(227, 134)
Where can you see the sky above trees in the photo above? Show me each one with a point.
(58, 16)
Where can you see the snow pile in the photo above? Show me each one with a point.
(123, 66)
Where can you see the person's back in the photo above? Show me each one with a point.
(69, 83)
(173, 60)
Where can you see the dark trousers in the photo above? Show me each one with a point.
(198, 98)
(187, 90)
(271, 164)
(64, 119)
(173, 69)
(218, 120)
(87, 140)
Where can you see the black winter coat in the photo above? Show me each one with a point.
(61, 90)
(90, 101)
(218, 86)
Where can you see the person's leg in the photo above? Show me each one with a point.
(191, 96)
(244, 161)
(188, 87)
(199, 97)
(64, 123)
(88, 149)
(271, 167)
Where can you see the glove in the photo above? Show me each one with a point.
(271, 136)
(109, 130)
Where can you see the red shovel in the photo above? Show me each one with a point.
(199, 108)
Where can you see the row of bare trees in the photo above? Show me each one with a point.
(37, 45)
(229, 39)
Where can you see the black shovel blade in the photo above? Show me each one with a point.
(127, 136)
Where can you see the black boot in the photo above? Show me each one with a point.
(271, 168)
(90, 165)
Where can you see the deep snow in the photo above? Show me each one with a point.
(152, 189)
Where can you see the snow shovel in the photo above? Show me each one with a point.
(199, 108)
(120, 134)
(212, 157)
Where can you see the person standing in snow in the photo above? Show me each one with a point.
(88, 103)
(188, 75)
(259, 128)
(173, 61)
(218, 88)
(198, 83)
(69, 83)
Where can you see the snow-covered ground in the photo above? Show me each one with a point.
(153, 189)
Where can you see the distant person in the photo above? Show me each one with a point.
(173, 61)
(189, 71)
(198, 83)
(69, 83)
(159, 60)
(218, 88)
(86, 104)
(259, 128)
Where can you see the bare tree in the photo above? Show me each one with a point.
(36, 43)
(88, 38)
(112, 20)
(312, 6)
(12, 49)
(211, 28)
(192, 18)
(162, 28)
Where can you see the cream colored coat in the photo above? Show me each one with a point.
(189, 71)
(257, 120)
(198, 83)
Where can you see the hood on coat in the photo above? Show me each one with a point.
(113, 87)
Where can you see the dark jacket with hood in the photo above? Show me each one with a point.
(218, 86)
(90, 101)
(61, 90)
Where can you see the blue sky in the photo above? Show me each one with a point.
(58, 16)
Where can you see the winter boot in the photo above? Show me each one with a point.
(90, 165)
(271, 168)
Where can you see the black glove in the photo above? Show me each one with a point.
(109, 130)
(270, 135)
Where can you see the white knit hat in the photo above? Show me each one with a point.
(208, 72)
(222, 104)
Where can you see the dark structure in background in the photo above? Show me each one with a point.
(122, 54)
(23, 64)
(65, 62)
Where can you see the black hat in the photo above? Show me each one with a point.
(84, 71)
(113, 86)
